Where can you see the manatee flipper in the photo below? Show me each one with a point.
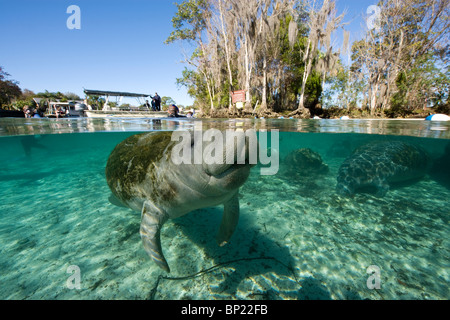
(229, 220)
(152, 220)
(382, 188)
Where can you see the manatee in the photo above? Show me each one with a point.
(305, 162)
(440, 169)
(142, 176)
(378, 164)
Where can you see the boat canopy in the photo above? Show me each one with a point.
(117, 94)
(114, 93)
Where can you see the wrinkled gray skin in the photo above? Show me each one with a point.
(142, 175)
(378, 164)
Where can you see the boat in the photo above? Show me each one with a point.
(11, 114)
(438, 117)
(57, 109)
(124, 114)
(128, 112)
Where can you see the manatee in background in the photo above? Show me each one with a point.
(142, 175)
(378, 164)
(441, 168)
(305, 162)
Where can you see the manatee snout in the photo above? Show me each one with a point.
(235, 155)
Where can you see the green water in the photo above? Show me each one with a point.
(296, 238)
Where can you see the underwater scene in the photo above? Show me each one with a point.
(356, 210)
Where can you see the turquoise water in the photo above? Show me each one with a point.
(296, 238)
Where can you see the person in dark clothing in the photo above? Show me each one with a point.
(157, 100)
(173, 112)
(147, 105)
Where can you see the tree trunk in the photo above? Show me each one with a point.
(211, 97)
(227, 54)
(248, 97)
(373, 98)
(308, 59)
(263, 108)
(301, 110)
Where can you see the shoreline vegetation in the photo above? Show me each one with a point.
(314, 113)
(331, 113)
(283, 59)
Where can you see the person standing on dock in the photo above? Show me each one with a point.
(157, 100)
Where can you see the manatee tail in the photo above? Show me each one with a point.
(152, 220)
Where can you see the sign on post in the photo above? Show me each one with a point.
(238, 96)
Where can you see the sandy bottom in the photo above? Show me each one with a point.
(296, 238)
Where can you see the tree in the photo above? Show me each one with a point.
(322, 23)
(166, 102)
(72, 96)
(391, 55)
(189, 25)
(226, 26)
(9, 89)
(96, 102)
(27, 94)
(253, 45)
(276, 35)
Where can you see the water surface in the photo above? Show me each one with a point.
(296, 238)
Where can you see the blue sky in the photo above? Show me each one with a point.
(118, 48)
